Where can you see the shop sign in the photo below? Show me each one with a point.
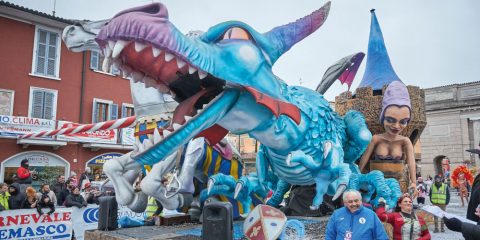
(102, 136)
(37, 159)
(127, 136)
(28, 224)
(101, 159)
(13, 126)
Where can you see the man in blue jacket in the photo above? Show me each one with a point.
(354, 221)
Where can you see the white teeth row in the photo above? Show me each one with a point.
(148, 143)
(113, 49)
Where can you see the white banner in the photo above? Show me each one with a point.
(127, 136)
(28, 224)
(87, 218)
(102, 136)
(13, 126)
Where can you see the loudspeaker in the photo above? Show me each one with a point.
(217, 221)
(107, 213)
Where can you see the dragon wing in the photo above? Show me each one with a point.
(344, 70)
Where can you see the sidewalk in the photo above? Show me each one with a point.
(455, 207)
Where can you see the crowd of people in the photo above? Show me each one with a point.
(69, 192)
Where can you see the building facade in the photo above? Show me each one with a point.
(453, 126)
(44, 86)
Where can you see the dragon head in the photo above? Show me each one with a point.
(204, 72)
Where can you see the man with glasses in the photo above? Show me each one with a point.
(353, 221)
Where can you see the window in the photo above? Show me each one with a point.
(42, 103)
(46, 53)
(96, 62)
(127, 110)
(104, 110)
(6, 101)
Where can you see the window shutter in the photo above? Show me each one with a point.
(113, 111)
(41, 52)
(37, 104)
(94, 60)
(52, 53)
(48, 105)
(124, 111)
(95, 112)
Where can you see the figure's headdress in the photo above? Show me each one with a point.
(396, 94)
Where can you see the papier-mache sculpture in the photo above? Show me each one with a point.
(223, 82)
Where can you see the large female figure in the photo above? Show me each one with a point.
(390, 145)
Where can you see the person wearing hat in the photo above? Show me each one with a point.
(439, 196)
(390, 145)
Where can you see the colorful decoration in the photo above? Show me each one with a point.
(264, 223)
(457, 175)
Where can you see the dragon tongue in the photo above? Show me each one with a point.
(185, 108)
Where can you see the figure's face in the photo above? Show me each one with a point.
(353, 202)
(4, 188)
(61, 179)
(396, 119)
(406, 205)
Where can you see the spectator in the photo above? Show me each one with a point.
(64, 194)
(439, 196)
(31, 200)
(474, 200)
(404, 221)
(17, 198)
(75, 199)
(429, 183)
(353, 221)
(45, 202)
(4, 195)
(91, 195)
(45, 190)
(468, 230)
(85, 178)
(24, 176)
(58, 188)
(422, 191)
(73, 177)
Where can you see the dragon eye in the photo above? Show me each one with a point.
(236, 33)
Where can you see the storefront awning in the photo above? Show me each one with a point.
(98, 146)
(27, 142)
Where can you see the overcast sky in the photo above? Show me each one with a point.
(430, 42)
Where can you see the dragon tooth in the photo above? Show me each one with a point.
(169, 57)
(176, 126)
(191, 69)
(204, 106)
(140, 46)
(147, 143)
(111, 44)
(202, 74)
(180, 63)
(166, 133)
(156, 136)
(187, 118)
(156, 52)
(139, 146)
(119, 46)
(163, 88)
(137, 76)
(106, 64)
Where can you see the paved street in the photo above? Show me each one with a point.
(455, 207)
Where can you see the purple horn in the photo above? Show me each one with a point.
(284, 37)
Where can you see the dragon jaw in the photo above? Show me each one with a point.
(146, 46)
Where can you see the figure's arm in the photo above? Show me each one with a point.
(411, 163)
(368, 153)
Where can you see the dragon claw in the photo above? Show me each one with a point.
(238, 188)
(314, 207)
(210, 184)
(289, 159)
(339, 192)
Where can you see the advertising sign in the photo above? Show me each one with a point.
(101, 159)
(87, 218)
(127, 136)
(13, 126)
(102, 136)
(28, 224)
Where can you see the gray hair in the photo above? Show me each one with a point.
(351, 191)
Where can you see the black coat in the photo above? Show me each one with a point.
(41, 204)
(59, 189)
(75, 200)
(474, 200)
(470, 231)
(17, 198)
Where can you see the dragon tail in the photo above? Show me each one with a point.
(358, 136)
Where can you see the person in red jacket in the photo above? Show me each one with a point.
(23, 173)
(406, 225)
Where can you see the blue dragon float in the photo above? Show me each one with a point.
(223, 82)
